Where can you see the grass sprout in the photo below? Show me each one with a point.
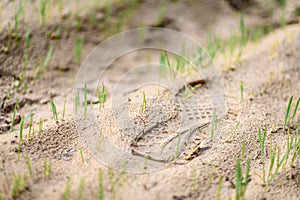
(241, 182)
(43, 12)
(100, 195)
(29, 167)
(81, 155)
(295, 110)
(53, 108)
(66, 194)
(47, 168)
(220, 185)
(47, 59)
(78, 49)
(102, 96)
(81, 189)
(262, 139)
(228, 139)
(30, 126)
(287, 113)
(242, 90)
(14, 115)
(64, 110)
(21, 129)
(144, 102)
(41, 122)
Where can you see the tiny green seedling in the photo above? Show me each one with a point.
(17, 17)
(228, 139)
(211, 175)
(41, 125)
(111, 179)
(43, 13)
(287, 114)
(100, 185)
(53, 107)
(81, 155)
(101, 96)
(47, 59)
(28, 162)
(241, 182)
(78, 49)
(242, 90)
(30, 126)
(14, 115)
(21, 129)
(262, 139)
(20, 80)
(295, 110)
(177, 148)
(220, 185)
(19, 183)
(66, 194)
(144, 102)
(25, 88)
(64, 111)
(47, 168)
(81, 189)
(243, 35)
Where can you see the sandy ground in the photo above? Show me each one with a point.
(268, 68)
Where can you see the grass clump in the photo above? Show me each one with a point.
(19, 184)
(241, 182)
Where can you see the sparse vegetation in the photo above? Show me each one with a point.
(43, 44)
